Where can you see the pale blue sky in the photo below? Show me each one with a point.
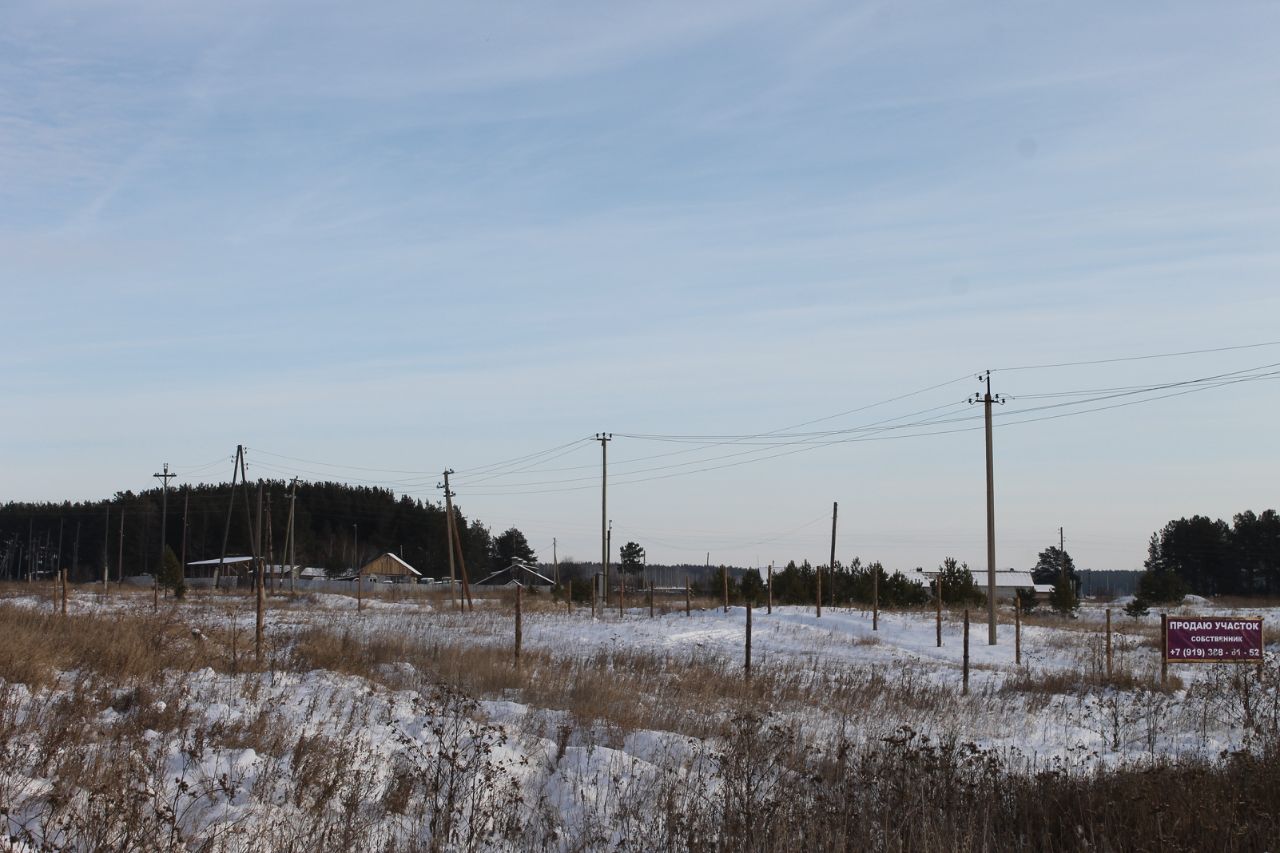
(411, 236)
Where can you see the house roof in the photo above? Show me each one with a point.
(1020, 578)
(513, 569)
(215, 560)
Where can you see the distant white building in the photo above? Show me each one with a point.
(1008, 581)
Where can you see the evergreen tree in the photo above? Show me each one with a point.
(170, 575)
(631, 558)
(1050, 563)
(1063, 599)
(958, 586)
(752, 586)
(510, 546)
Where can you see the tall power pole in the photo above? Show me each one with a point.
(987, 399)
(290, 543)
(164, 519)
(456, 544)
(831, 566)
(604, 438)
(236, 465)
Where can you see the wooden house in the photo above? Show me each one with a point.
(390, 568)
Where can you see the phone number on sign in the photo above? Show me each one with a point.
(1214, 653)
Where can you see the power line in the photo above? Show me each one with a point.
(1139, 357)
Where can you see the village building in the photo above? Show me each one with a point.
(390, 569)
(1008, 581)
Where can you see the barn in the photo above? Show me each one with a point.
(390, 568)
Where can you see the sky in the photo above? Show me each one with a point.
(372, 242)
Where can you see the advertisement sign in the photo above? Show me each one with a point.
(1213, 639)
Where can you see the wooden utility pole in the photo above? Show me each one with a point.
(236, 466)
(63, 575)
(555, 559)
(448, 533)
(457, 545)
(260, 596)
(831, 564)
(355, 559)
(987, 399)
(687, 596)
(164, 523)
(1062, 558)
(650, 598)
(182, 562)
(75, 549)
(106, 553)
(290, 542)
(120, 553)
(747, 660)
(724, 579)
(966, 652)
(604, 438)
(272, 565)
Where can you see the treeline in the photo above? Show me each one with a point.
(1208, 557)
(336, 526)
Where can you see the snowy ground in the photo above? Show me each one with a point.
(245, 762)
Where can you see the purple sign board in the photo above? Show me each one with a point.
(1212, 639)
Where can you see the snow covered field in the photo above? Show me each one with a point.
(408, 725)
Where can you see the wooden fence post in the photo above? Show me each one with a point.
(519, 633)
(937, 583)
(1017, 629)
(966, 651)
(770, 589)
(1164, 649)
(817, 575)
(260, 604)
(1108, 642)
(875, 598)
